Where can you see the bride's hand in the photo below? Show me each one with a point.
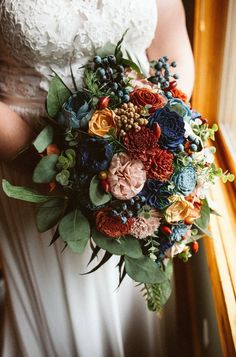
(15, 134)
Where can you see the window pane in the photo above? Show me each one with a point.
(227, 104)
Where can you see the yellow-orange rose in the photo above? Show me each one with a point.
(101, 122)
(179, 210)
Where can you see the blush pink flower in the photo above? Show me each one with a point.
(126, 176)
(144, 227)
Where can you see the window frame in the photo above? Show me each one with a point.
(210, 23)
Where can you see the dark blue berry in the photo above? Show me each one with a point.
(123, 219)
(126, 98)
(175, 76)
(120, 69)
(191, 137)
(109, 71)
(130, 214)
(137, 206)
(120, 93)
(124, 206)
(105, 61)
(142, 199)
(173, 64)
(193, 147)
(101, 71)
(114, 213)
(97, 60)
(111, 59)
(114, 86)
(131, 201)
(181, 147)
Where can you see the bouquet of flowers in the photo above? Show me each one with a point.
(126, 164)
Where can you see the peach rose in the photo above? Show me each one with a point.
(101, 122)
(126, 176)
(179, 210)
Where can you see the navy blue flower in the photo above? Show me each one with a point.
(172, 128)
(156, 194)
(185, 180)
(178, 231)
(94, 155)
(76, 112)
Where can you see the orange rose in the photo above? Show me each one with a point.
(101, 122)
(145, 96)
(177, 93)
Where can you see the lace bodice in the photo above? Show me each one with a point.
(37, 36)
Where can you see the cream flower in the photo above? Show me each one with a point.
(179, 210)
(126, 176)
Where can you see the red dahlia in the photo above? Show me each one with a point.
(159, 164)
(111, 226)
(137, 143)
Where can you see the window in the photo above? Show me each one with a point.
(215, 97)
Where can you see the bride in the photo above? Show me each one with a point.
(50, 309)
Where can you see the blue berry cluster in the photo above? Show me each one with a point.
(162, 75)
(129, 208)
(111, 75)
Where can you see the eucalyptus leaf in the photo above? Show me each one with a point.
(49, 213)
(77, 246)
(106, 50)
(124, 246)
(144, 270)
(203, 221)
(74, 229)
(44, 139)
(23, 193)
(45, 171)
(96, 195)
(58, 93)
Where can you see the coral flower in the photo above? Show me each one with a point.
(111, 226)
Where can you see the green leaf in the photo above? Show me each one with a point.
(49, 213)
(106, 50)
(45, 171)
(77, 246)
(203, 221)
(131, 64)
(74, 229)
(118, 52)
(23, 193)
(58, 93)
(44, 139)
(144, 270)
(96, 195)
(124, 246)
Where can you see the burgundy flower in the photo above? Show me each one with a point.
(159, 164)
(111, 226)
(137, 143)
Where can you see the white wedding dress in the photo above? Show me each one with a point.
(50, 309)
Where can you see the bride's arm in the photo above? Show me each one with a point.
(171, 39)
(15, 134)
